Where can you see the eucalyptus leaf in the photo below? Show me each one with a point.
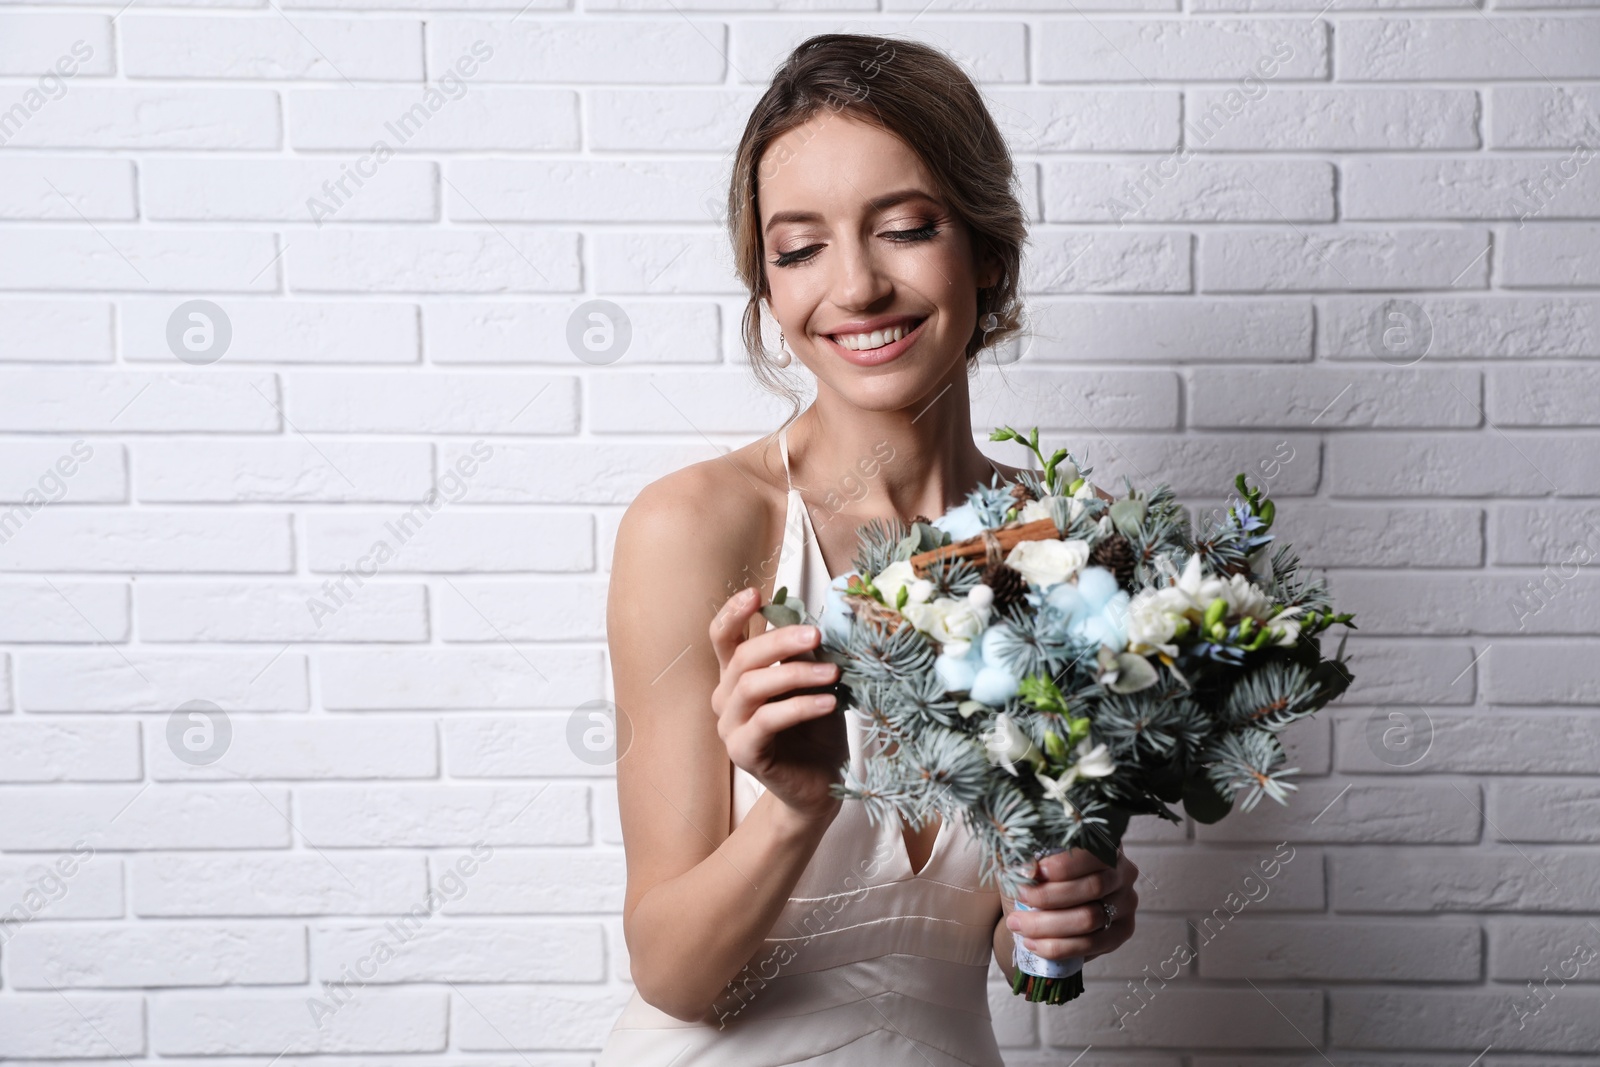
(1128, 515)
(1134, 673)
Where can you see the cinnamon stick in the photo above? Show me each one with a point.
(975, 548)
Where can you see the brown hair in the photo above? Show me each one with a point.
(922, 96)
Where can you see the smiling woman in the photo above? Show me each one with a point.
(873, 216)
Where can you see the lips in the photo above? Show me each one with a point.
(873, 357)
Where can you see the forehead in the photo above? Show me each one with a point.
(835, 164)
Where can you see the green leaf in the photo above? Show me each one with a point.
(1040, 691)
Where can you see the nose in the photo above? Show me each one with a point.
(859, 281)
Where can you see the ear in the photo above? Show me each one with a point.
(988, 272)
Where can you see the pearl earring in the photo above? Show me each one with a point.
(783, 357)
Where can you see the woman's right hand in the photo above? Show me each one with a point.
(791, 742)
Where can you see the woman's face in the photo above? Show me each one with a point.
(857, 247)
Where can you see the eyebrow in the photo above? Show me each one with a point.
(876, 204)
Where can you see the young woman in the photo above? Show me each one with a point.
(768, 922)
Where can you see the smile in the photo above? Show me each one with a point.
(878, 346)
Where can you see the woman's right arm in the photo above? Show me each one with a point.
(692, 688)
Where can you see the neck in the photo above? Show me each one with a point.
(919, 460)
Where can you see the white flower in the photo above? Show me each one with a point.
(1009, 746)
(1290, 626)
(1246, 598)
(1200, 589)
(919, 591)
(1041, 509)
(1093, 762)
(1153, 618)
(1047, 562)
(891, 578)
(952, 623)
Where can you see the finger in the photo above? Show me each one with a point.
(1073, 863)
(757, 687)
(1072, 892)
(747, 743)
(728, 624)
(774, 646)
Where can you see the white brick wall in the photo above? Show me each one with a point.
(1225, 194)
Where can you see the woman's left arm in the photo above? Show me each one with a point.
(1066, 919)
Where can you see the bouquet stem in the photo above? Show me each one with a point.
(1040, 980)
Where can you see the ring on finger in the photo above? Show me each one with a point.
(1111, 913)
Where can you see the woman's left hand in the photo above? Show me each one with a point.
(1067, 919)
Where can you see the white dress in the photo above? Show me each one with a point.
(870, 963)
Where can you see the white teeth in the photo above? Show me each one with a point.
(862, 342)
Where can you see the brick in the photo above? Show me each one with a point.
(1418, 604)
(143, 681)
(1356, 810)
(649, 262)
(1540, 672)
(1467, 1020)
(52, 1026)
(1186, 49)
(131, 116)
(1274, 118)
(1467, 48)
(1106, 262)
(1543, 396)
(69, 189)
(136, 817)
(527, 332)
(62, 471)
(1347, 258)
(150, 260)
(1543, 810)
(1229, 398)
(435, 403)
(1186, 879)
(310, 47)
(310, 750)
(59, 611)
(1470, 188)
(571, 472)
(659, 51)
(143, 541)
(434, 950)
(69, 752)
(1540, 116)
(1559, 254)
(1466, 879)
(81, 884)
(544, 881)
(1554, 533)
(463, 259)
(992, 51)
(543, 1017)
(1175, 1017)
(56, 331)
(98, 956)
(1089, 120)
(285, 331)
(437, 816)
(1179, 189)
(294, 469)
(1542, 950)
(372, 1020)
(275, 612)
(378, 679)
(570, 609)
(1471, 327)
(474, 117)
(327, 882)
(514, 190)
(1510, 741)
(1319, 951)
(443, 539)
(1509, 463)
(318, 191)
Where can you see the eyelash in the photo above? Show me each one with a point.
(921, 233)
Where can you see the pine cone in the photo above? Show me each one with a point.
(1008, 584)
(1021, 493)
(1115, 554)
(922, 519)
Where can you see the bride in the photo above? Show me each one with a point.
(766, 921)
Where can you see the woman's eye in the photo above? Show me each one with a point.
(921, 233)
(799, 255)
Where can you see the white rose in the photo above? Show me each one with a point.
(1041, 509)
(951, 622)
(1153, 616)
(1045, 563)
(891, 578)
(1246, 598)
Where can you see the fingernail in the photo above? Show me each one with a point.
(1012, 922)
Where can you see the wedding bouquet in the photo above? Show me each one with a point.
(1045, 661)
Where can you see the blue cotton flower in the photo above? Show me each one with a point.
(836, 614)
(960, 522)
(957, 673)
(994, 686)
(1096, 585)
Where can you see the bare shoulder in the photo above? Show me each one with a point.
(709, 518)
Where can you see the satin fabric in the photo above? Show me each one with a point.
(869, 963)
